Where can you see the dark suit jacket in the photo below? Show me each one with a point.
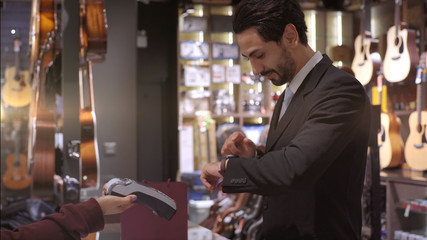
(313, 170)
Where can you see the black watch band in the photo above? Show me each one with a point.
(223, 161)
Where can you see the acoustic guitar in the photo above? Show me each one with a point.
(92, 48)
(17, 90)
(42, 127)
(367, 60)
(401, 57)
(42, 22)
(89, 155)
(390, 143)
(16, 176)
(416, 143)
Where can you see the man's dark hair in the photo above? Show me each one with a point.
(269, 18)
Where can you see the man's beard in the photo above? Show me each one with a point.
(285, 69)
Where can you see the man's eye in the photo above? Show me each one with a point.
(260, 56)
(245, 58)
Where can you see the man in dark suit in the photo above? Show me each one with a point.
(311, 174)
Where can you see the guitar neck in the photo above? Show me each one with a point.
(419, 101)
(17, 136)
(380, 89)
(419, 82)
(86, 86)
(404, 11)
(16, 50)
(365, 20)
(397, 16)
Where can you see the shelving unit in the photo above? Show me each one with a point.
(213, 77)
(402, 187)
(211, 25)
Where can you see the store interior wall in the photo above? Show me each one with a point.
(157, 91)
(115, 92)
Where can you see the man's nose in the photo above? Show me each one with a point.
(256, 68)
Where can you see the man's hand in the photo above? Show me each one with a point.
(210, 176)
(115, 205)
(239, 145)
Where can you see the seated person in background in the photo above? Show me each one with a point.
(74, 221)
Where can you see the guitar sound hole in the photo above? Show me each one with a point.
(396, 41)
(419, 128)
(424, 140)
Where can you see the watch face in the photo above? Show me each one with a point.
(195, 24)
(221, 51)
(194, 50)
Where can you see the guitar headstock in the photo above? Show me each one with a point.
(16, 40)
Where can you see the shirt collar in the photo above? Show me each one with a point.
(300, 76)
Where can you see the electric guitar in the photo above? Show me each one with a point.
(92, 48)
(401, 55)
(390, 143)
(16, 91)
(416, 143)
(367, 60)
(16, 177)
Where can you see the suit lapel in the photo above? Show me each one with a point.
(310, 82)
(276, 112)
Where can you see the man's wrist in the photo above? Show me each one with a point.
(222, 166)
(224, 162)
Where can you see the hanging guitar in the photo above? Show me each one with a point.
(416, 143)
(16, 92)
(367, 60)
(401, 57)
(390, 143)
(42, 127)
(16, 176)
(92, 48)
(42, 22)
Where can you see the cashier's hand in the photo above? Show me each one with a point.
(210, 176)
(239, 145)
(113, 204)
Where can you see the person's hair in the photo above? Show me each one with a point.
(269, 18)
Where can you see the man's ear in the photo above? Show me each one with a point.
(290, 35)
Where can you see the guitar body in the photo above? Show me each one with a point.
(16, 177)
(401, 55)
(43, 154)
(42, 123)
(390, 142)
(16, 93)
(93, 46)
(366, 61)
(416, 143)
(89, 150)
